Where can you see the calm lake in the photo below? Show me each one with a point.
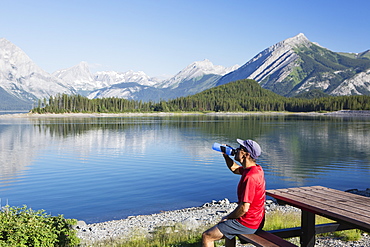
(103, 168)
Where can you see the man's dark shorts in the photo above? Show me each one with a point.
(231, 228)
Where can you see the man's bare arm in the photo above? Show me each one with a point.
(238, 212)
(231, 164)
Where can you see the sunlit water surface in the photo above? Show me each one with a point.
(98, 169)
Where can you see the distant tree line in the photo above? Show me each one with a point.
(238, 96)
(63, 103)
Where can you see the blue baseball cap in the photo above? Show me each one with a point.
(251, 146)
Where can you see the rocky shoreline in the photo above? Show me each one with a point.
(191, 218)
(341, 113)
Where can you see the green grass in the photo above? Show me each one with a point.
(169, 236)
(179, 236)
(279, 220)
(349, 235)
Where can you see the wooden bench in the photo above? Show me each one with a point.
(264, 239)
(349, 211)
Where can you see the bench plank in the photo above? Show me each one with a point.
(359, 199)
(256, 240)
(322, 228)
(329, 211)
(264, 239)
(340, 203)
(332, 193)
(344, 201)
(315, 199)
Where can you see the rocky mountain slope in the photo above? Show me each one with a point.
(22, 79)
(297, 65)
(196, 70)
(78, 77)
(195, 78)
(84, 82)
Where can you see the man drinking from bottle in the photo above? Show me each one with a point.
(248, 216)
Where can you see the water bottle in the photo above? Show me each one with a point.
(228, 150)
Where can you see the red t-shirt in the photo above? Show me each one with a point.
(251, 189)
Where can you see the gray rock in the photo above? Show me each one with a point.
(190, 223)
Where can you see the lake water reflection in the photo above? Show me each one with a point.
(98, 169)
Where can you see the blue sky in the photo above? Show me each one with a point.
(161, 37)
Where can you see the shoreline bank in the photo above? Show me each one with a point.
(191, 218)
(349, 113)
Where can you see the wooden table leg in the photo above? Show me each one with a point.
(308, 229)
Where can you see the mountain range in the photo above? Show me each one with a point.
(289, 68)
(297, 65)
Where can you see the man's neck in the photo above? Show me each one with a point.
(249, 165)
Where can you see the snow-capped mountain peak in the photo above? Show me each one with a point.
(21, 77)
(78, 77)
(297, 40)
(279, 56)
(79, 71)
(83, 81)
(13, 58)
(112, 77)
(195, 70)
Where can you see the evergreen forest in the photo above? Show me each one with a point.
(239, 96)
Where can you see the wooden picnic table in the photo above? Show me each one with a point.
(350, 211)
